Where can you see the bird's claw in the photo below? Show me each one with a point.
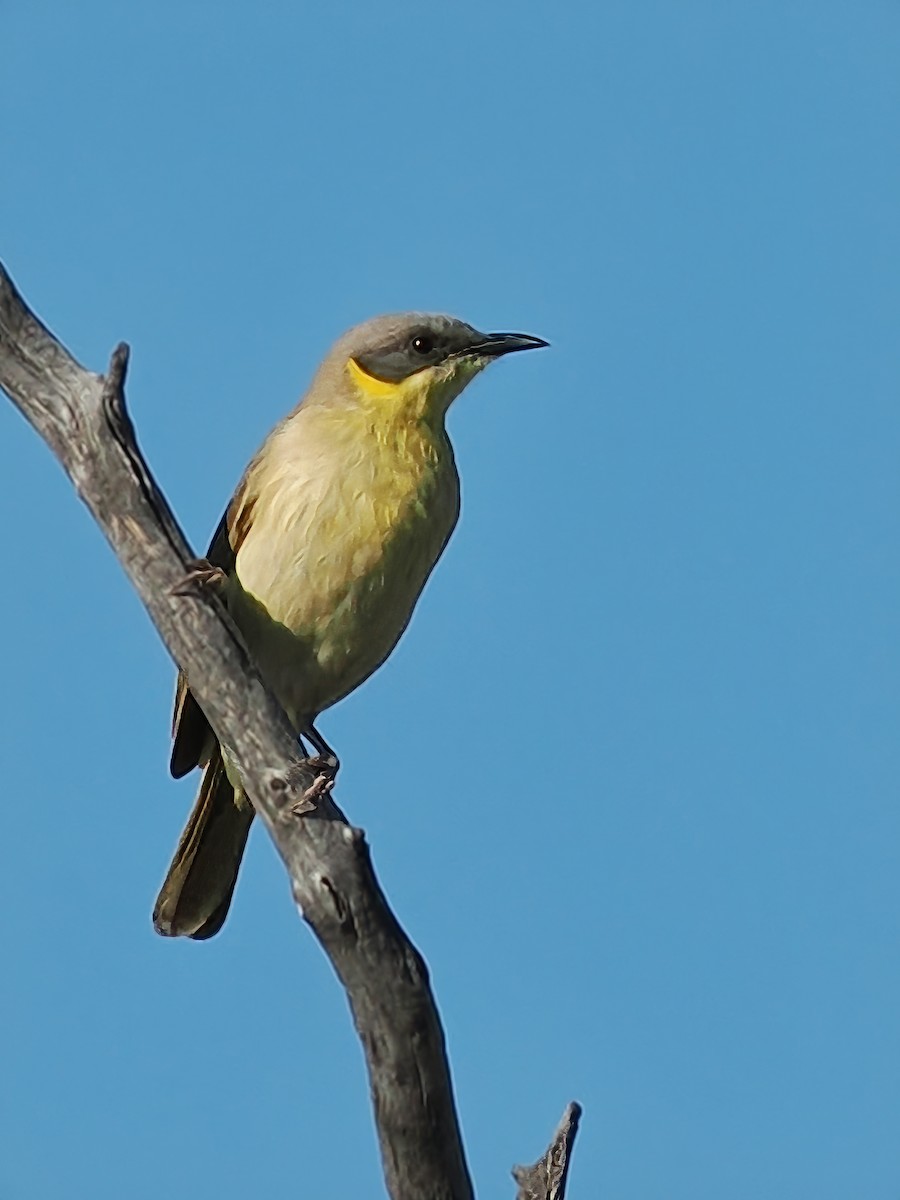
(308, 802)
(201, 575)
(326, 764)
(326, 768)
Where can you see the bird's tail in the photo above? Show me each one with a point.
(194, 899)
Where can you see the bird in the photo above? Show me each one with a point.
(321, 556)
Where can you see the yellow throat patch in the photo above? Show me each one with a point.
(426, 393)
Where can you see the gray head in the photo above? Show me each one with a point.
(406, 355)
(394, 347)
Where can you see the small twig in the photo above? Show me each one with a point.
(546, 1179)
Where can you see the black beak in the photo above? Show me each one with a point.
(492, 345)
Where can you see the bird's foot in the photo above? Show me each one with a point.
(324, 758)
(321, 786)
(324, 764)
(202, 574)
(326, 768)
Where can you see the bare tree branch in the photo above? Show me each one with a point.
(83, 418)
(546, 1180)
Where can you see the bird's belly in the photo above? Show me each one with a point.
(340, 596)
(371, 613)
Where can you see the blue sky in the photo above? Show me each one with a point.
(631, 778)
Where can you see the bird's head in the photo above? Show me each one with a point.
(414, 363)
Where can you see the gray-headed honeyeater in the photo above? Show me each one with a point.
(325, 548)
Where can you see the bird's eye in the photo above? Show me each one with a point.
(422, 344)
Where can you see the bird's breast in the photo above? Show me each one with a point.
(345, 532)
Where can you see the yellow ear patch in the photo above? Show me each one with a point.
(378, 389)
(428, 390)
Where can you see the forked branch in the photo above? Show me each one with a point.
(84, 420)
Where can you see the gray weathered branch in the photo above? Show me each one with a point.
(83, 418)
(546, 1180)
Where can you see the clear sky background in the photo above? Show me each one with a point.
(631, 779)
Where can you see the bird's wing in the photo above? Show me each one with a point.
(191, 734)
